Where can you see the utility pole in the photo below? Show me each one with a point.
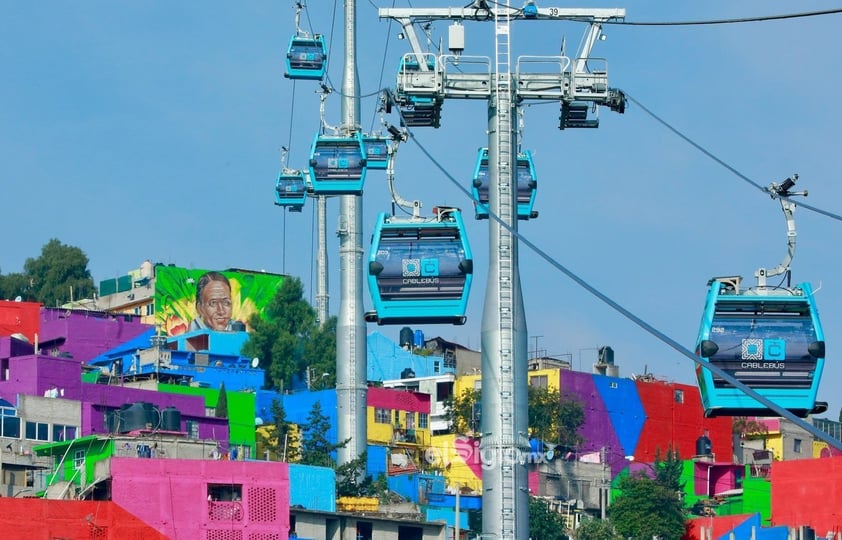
(504, 443)
(321, 261)
(350, 327)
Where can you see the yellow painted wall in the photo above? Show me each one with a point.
(443, 455)
(553, 377)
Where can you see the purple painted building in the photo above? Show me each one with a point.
(84, 335)
(61, 378)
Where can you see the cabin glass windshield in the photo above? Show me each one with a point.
(337, 161)
(420, 268)
(764, 350)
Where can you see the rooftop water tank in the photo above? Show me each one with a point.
(171, 419)
(405, 337)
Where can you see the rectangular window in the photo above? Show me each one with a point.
(79, 458)
(150, 309)
(796, 446)
(192, 428)
(538, 381)
(436, 366)
(678, 396)
(225, 492)
(37, 431)
(410, 420)
(11, 427)
(382, 416)
(63, 433)
(397, 417)
(423, 420)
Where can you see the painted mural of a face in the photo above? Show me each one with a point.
(213, 301)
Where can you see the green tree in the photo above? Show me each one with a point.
(286, 338)
(222, 402)
(351, 483)
(320, 352)
(597, 529)
(281, 437)
(553, 418)
(544, 524)
(462, 411)
(649, 507)
(57, 275)
(316, 448)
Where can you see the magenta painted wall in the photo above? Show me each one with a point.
(402, 400)
(172, 496)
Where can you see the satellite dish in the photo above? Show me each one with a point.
(255, 362)
(18, 298)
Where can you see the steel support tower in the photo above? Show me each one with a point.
(350, 327)
(504, 445)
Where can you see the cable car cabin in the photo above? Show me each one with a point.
(337, 165)
(291, 190)
(376, 151)
(773, 343)
(306, 57)
(420, 272)
(527, 185)
(417, 111)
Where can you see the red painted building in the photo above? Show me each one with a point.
(20, 318)
(808, 492)
(35, 519)
(674, 416)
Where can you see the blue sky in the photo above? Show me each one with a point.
(153, 131)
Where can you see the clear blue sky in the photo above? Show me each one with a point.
(153, 130)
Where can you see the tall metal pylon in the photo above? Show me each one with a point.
(322, 296)
(504, 445)
(504, 334)
(350, 327)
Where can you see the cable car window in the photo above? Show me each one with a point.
(420, 268)
(525, 182)
(764, 351)
(342, 161)
(290, 187)
(306, 54)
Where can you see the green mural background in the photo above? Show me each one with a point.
(175, 295)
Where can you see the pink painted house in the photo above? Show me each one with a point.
(213, 499)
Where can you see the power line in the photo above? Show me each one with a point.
(730, 21)
(709, 154)
(637, 320)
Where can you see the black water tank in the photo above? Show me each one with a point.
(406, 337)
(606, 355)
(132, 417)
(111, 421)
(171, 419)
(703, 446)
(151, 415)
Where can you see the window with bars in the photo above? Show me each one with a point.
(382, 416)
